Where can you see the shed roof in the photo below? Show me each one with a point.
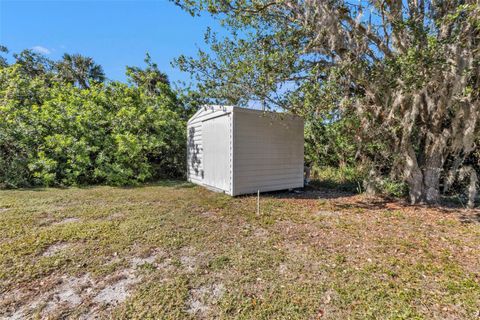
(205, 110)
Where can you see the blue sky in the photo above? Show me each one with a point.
(115, 33)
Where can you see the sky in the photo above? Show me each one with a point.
(115, 33)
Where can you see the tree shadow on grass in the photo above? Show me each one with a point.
(38, 189)
(451, 204)
(467, 218)
(309, 192)
(353, 187)
(176, 184)
(344, 197)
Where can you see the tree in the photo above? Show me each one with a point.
(3, 60)
(155, 83)
(408, 71)
(79, 70)
(148, 78)
(55, 133)
(32, 64)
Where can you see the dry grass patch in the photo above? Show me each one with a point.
(176, 251)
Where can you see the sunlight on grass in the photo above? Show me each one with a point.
(173, 250)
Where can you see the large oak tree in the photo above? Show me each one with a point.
(407, 70)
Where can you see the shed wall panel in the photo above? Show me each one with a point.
(195, 162)
(216, 151)
(267, 153)
(253, 151)
(194, 153)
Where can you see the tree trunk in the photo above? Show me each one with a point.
(434, 159)
(424, 188)
(416, 190)
(371, 183)
(423, 179)
(413, 176)
(431, 182)
(431, 185)
(472, 189)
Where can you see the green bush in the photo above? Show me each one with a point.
(351, 178)
(346, 178)
(57, 134)
(392, 188)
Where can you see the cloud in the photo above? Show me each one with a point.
(41, 50)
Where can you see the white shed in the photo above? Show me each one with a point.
(239, 151)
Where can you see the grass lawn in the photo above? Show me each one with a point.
(173, 250)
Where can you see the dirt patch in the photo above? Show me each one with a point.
(189, 263)
(55, 249)
(196, 307)
(202, 299)
(326, 213)
(283, 268)
(189, 259)
(64, 293)
(69, 293)
(208, 213)
(327, 309)
(261, 233)
(61, 294)
(10, 304)
(116, 216)
(46, 221)
(137, 262)
(66, 220)
(118, 291)
(119, 285)
(157, 259)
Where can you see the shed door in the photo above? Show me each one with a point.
(216, 152)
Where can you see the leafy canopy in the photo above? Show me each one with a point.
(57, 130)
(405, 73)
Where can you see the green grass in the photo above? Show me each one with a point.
(193, 253)
(344, 178)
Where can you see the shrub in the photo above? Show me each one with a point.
(346, 178)
(56, 134)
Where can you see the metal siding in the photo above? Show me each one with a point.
(194, 153)
(251, 150)
(216, 156)
(268, 152)
(232, 143)
(195, 170)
